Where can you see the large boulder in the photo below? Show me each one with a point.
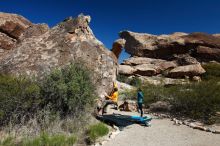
(182, 66)
(176, 55)
(184, 59)
(41, 50)
(117, 47)
(141, 60)
(165, 46)
(145, 66)
(124, 87)
(12, 27)
(160, 106)
(145, 69)
(153, 46)
(6, 43)
(160, 80)
(188, 70)
(208, 53)
(34, 31)
(126, 70)
(202, 39)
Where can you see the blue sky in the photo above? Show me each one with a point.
(112, 16)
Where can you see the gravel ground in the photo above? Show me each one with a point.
(163, 133)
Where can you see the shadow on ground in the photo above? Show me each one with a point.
(118, 120)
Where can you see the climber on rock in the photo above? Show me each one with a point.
(111, 99)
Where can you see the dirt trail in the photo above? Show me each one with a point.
(163, 133)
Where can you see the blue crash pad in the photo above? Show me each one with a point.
(141, 120)
(125, 120)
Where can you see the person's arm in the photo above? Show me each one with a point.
(142, 96)
(110, 97)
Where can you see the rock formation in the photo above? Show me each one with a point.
(12, 27)
(117, 47)
(165, 46)
(176, 56)
(35, 50)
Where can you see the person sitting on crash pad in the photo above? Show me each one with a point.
(112, 99)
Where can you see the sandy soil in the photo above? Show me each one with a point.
(163, 133)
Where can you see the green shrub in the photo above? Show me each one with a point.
(69, 90)
(9, 141)
(197, 100)
(46, 140)
(128, 94)
(212, 71)
(153, 93)
(96, 131)
(122, 78)
(20, 96)
(134, 81)
(43, 140)
(66, 91)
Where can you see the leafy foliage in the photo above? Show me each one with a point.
(212, 71)
(69, 90)
(96, 131)
(55, 140)
(19, 96)
(65, 91)
(43, 140)
(196, 100)
(134, 81)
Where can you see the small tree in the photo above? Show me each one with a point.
(19, 97)
(69, 90)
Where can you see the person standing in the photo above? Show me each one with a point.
(140, 99)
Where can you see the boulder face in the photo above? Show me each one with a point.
(145, 66)
(117, 47)
(41, 50)
(188, 70)
(147, 45)
(165, 46)
(12, 26)
(176, 56)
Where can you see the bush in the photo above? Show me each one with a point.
(19, 97)
(57, 104)
(196, 100)
(96, 131)
(128, 94)
(122, 78)
(153, 93)
(9, 141)
(43, 140)
(212, 71)
(46, 140)
(134, 81)
(69, 90)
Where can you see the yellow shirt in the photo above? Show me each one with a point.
(114, 96)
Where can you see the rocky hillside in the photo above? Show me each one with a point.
(35, 49)
(177, 55)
